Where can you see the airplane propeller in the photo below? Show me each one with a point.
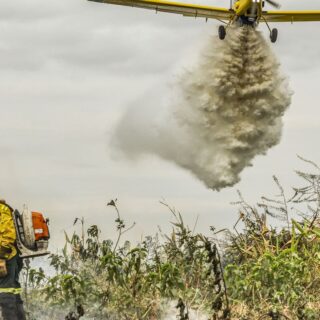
(274, 3)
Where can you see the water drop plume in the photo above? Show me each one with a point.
(228, 109)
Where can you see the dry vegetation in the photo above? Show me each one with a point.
(261, 272)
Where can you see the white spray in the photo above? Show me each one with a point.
(229, 110)
(171, 312)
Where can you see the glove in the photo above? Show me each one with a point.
(3, 268)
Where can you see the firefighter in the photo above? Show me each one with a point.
(11, 304)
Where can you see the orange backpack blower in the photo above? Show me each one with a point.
(32, 233)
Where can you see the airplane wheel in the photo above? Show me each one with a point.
(274, 35)
(222, 32)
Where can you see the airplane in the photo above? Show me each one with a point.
(241, 12)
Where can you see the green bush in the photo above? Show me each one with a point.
(263, 272)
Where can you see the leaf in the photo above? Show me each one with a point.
(67, 237)
(112, 203)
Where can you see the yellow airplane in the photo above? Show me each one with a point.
(241, 12)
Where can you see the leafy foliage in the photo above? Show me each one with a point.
(263, 272)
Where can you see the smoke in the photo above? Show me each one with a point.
(228, 109)
(171, 313)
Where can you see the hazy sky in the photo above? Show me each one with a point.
(70, 69)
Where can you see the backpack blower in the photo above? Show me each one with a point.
(32, 233)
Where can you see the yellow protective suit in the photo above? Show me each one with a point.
(7, 233)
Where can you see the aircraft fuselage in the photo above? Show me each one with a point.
(248, 11)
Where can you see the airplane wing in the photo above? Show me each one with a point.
(185, 9)
(291, 16)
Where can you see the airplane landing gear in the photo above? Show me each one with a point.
(222, 32)
(274, 35)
